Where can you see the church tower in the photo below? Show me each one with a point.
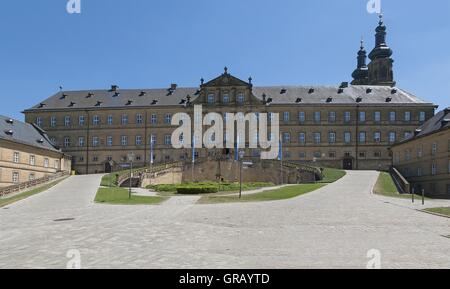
(361, 73)
(380, 67)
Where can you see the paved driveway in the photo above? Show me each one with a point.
(332, 227)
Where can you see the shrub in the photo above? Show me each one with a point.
(197, 190)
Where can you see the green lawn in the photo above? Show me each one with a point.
(332, 175)
(272, 195)
(170, 190)
(385, 186)
(119, 196)
(442, 211)
(24, 195)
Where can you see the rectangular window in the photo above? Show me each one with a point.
(226, 98)
(392, 137)
(67, 121)
(317, 137)
(31, 177)
(16, 157)
(422, 116)
(15, 177)
(138, 140)
(56, 164)
(124, 140)
(347, 137)
(347, 117)
(301, 117)
(332, 137)
(392, 116)
(53, 121)
(433, 169)
(302, 155)
(286, 117)
(332, 116)
(81, 141)
(168, 139)
(109, 141)
(81, 120)
(419, 172)
(362, 137)
(407, 135)
(95, 141)
(39, 121)
(419, 153)
(434, 148)
(96, 120)
(286, 138)
(317, 116)
(110, 119)
(67, 142)
(377, 154)
(332, 155)
(139, 118)
(154, 119)
(153, 139)
(240, 98)
(168, 118)
(407, 116)
(46, 163)
(211, 99)
(124, 120)
(302, 138)
(362, 116)
(377, 137)
(32, 160)
(377, 116)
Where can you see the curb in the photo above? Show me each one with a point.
(435, 214)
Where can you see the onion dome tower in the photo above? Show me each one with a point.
(380, 67)
(361, 73)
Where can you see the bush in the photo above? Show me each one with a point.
(197, 190)
(163, 188)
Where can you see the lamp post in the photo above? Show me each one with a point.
(130, 159)
(241, 157)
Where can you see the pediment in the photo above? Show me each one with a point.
(226, 79)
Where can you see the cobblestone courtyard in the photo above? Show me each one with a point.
(333, 227)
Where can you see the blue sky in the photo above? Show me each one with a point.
(150, 44)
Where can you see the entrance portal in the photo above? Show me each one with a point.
(348, 164)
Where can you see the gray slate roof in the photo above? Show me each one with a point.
(435, 124)
(24, 133)
(88, 99)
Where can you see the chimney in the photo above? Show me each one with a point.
(173, 86)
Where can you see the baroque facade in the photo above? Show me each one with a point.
(348, 126)
(26, 154)
(424, 159)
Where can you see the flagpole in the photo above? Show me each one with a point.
(193, 156)
(281, 159)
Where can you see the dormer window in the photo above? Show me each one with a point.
(99, 103)
(359, 99)
(41, 105)
(311, 91)
(9, 132)
(211, 99)
(154, 102)
(226, 98)
(240, 98)
(369, 90)
(90, 94)
(283, 91)
(10, 121)
(142, 93)
(129, 102)
(299, 100)
(63, 96)
(72, 104)
(329, 99)
(388, 99)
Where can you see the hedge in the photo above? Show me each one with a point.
(197, 190)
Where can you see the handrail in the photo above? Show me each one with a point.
(30, 184)
(146, 170)
(400, 181)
